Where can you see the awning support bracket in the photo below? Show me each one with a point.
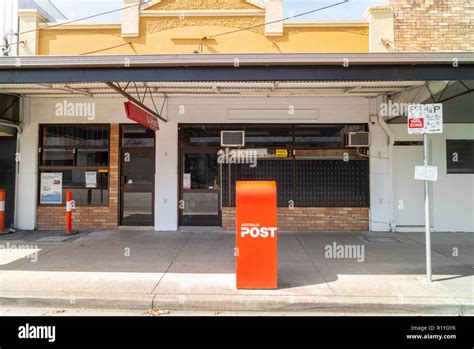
(138, 101)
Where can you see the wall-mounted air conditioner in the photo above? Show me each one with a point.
(232, 138)
(357, 139)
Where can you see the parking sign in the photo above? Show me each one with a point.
(425, 118)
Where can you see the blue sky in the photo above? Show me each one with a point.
(354, 10)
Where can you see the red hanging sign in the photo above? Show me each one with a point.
(137, 114)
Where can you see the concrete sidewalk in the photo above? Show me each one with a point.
(195, 271)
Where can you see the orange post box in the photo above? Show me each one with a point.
(256, 235)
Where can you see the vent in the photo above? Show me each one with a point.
(357, 139)
(232, 138)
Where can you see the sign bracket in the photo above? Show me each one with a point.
(139, 103)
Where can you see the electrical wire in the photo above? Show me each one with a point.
(278, 20)
(204, 38)
(75, 20)
(105, 49)
(370, 156)
(201, 42)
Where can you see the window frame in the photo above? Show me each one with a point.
(41, 168)
(293, 127)
(457, 173)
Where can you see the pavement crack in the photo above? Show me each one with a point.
(314, 265)
(171, 263)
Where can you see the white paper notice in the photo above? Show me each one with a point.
(426, 173)
(91, 179)
(187, 181)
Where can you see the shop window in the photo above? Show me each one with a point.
(74, 158)
(323, 136)
(310, 173)
(200, 136)
(269, 136)
(137, 136)
(460, 156)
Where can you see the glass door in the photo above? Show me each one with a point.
(200, 188)
(137, 176)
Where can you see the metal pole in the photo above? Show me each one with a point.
(427, 212)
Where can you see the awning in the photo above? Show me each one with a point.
(238, 67)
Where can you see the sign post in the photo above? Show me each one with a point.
(427, 211)
(426, 119)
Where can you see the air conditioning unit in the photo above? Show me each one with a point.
(232, 138)
(357, 139)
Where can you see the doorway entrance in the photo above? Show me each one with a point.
(200, 188)
(7, 174)
(137, 175)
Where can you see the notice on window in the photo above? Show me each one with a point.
(91, 179)
(51, 191)
(187, 181)
(282, 153)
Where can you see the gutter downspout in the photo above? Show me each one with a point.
(17, 166)
(390, 143)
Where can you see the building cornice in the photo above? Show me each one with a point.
(31, 13)
(201, 13)
(156, 2)
(323, 24)
(59, 26)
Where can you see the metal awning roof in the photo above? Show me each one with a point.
(218, 89)
(239, 67)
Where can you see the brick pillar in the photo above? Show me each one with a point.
(114, 189)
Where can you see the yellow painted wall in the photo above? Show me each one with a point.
(202, 5)
(167, 35)
(164, 35)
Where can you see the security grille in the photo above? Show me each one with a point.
(307, 183)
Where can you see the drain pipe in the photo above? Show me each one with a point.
(19, 130)
(390, 142)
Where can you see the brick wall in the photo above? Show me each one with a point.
(433, 25)
(312, 219)
(92, 217)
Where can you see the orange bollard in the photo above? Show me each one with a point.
(69, 207)
(2, 210)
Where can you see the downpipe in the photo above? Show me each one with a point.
(390, 142)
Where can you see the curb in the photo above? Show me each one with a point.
(316, 304)
(241, 303)
(79, 300)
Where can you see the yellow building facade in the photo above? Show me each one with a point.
(190, 26)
